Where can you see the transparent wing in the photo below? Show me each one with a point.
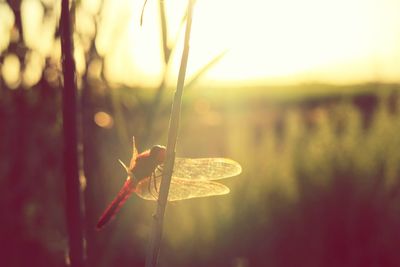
(205, 168)
(134, 154)
(180, 189)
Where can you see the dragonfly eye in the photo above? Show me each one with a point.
(158, 153)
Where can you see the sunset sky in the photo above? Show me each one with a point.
(287, 41)
(265, 42)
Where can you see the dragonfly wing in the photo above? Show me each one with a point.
(205, 168)
(180, 189)
(134, 154)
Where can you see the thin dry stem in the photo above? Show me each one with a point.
(73, 203)
(158, 218)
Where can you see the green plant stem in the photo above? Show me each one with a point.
(73, 198)
(158, 218)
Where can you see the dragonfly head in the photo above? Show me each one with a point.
(158, 153)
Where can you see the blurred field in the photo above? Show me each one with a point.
(321, 163)
(320, 183)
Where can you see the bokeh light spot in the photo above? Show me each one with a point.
(34, 64)
(103, 119)
(11, 71)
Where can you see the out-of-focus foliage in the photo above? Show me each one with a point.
(320, 185)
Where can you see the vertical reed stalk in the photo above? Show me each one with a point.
(158, 218)
(73, 205)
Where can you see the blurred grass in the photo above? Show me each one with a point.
(317, 171)
(281, 93)
(320, 183)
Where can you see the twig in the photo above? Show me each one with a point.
(157, 227)
(73, 203)
(141, 15)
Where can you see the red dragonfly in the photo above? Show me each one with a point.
(191, 178)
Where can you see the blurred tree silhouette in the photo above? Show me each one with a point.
(321, 173)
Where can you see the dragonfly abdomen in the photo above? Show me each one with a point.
(116, 204)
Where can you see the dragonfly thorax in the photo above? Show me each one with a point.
(147, 162)
(158, 153)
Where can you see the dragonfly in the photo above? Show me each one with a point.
(191, 178)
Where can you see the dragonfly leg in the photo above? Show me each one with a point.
(155, 183)
(149, 186)
(159, 168)
(153, 178)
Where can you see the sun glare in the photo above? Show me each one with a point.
(263, 41)
(289, 40)
(270, 41)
